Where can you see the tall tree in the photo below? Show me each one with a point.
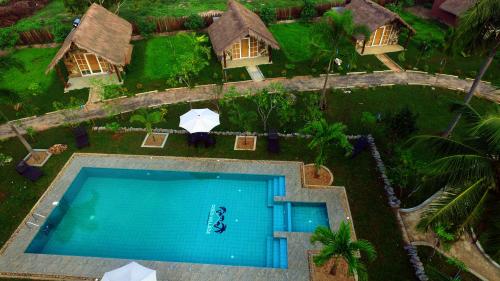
(338, 244)
(478, 32)
(467, 171)
(323, 137)
(19, 135)
(333, 38)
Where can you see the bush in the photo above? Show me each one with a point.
(403, 123)
(194, 22)
(60, 31)
(146, 27)
(308, 11)
(268, 15)
(8, 38)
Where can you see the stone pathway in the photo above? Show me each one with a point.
(464, 249)
(387, 61)
(206, 92)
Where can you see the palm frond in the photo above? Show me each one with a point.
(475, 214)
(454, 206)
(324, 255)
(461, 169)
(366, 248)
(440, 146)
(488, 128)
(323, 235)
(467, 111)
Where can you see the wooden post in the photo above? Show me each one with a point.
(118, 73)
(363, 49)
(60, 75)
(224, 53)
(269, 50)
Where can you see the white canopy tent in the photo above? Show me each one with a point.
(199, 120)
(130, 272)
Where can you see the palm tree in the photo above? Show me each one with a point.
(338, 244)
(468, 171)
(337, 29)
(323, 135)
(478, 32)
(148, 119)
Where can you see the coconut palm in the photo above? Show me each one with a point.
(19, 136)
(467, 171)
(148, 119)
(338, 244)
(337, 29)
(478, 32)
(323, 136)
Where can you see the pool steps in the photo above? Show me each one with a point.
(276, 253)
(275, 187)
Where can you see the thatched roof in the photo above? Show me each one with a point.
(373, 15)
(236, 23)
(457, 7)
(102, 33)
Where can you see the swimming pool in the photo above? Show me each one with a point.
(194, 217)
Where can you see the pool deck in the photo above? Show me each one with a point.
(14, 262)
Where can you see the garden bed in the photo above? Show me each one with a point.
(312, 179)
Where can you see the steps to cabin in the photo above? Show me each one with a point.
(255, 73)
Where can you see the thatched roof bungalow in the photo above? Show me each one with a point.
(240, 38)
(383, 24)
(99, 44)
(448, 11)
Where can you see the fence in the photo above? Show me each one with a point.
(167, 24)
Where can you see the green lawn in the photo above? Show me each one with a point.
(152, 62)
(29, 85)
(432, 61)
(297, 55)
(372, 217)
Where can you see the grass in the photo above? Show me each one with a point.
(51, 15)
(21, 81)
(372, 218)
(297, 55)
(432, 61)
(152, 62)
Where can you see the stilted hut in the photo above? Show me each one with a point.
(99, 44)
(383, 24)
(240, 38)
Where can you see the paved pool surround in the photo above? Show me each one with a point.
(14, 262)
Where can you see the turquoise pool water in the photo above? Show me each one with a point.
(212, 218)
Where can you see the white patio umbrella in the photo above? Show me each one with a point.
(130, 272)
(199, 120)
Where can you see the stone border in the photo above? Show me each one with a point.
(155, 146)
(245, 149)
(313, 185)
(39, 150)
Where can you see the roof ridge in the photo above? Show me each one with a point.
(237, 11)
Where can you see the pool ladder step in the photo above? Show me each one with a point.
(278, 217)
(277, 255)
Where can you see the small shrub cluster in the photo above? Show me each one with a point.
(194, 22)
(8, 38)
(268, 15)
(308, 11)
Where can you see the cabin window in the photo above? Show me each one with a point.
(236, 50)
(91, 64)
(82, 64)
(254, 47)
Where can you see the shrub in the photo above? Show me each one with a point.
(113, 127)
(4, 159)
(60, 31)
(268, 15)
(403, 123)
(8, 38)
(402, 57)
(146, 27)
(308, 11)
(112, 91)
(194, 22)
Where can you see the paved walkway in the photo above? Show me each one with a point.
(206, 92)
(463, 249)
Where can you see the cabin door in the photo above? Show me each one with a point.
(245, 47)
(377, 36)
(94, 65)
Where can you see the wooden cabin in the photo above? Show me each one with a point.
(240, 38)
(98, 45)
(383, 24)
(448, 11)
